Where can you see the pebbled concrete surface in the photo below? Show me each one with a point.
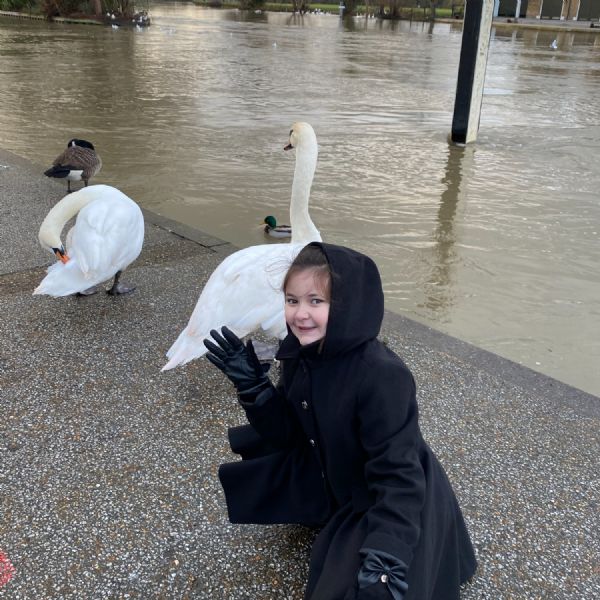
(108, 485)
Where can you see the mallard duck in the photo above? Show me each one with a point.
(276, 231)
(107, 237)
(78, 162)
(244, 291)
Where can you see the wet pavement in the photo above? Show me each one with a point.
(108, 479)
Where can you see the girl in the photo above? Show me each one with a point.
(337, 443)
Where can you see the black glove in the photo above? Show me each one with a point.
(237, 361)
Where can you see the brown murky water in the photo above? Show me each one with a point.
(497, 244)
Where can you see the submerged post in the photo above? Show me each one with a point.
(477, 29)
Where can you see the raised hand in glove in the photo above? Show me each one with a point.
(237, 361)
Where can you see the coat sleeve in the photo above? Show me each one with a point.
(272, 416)
(390, 436)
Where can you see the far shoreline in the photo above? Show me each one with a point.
(333, 9)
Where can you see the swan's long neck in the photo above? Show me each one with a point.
(303, 229)
(60, 213)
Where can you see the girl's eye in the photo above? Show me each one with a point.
(290, 301)
(316, 301)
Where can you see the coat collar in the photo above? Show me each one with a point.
(290, 348)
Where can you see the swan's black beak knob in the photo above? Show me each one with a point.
(60, 254)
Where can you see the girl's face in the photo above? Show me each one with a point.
(307, 306)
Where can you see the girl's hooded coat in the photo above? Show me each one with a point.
(337, 445)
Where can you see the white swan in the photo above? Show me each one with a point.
(244, 291)
(107, 236)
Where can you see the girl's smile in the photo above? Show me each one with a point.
(306, 306)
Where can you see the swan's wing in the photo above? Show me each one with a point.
(244, 293)
(108, 236)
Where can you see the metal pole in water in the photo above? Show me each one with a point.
(477, 29)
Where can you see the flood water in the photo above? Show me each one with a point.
(496, 243)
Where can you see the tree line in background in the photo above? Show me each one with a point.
(387, 9)
(66, 8)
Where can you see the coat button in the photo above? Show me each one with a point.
(312, 443)
(304, 404)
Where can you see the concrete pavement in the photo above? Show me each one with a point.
(108, 485)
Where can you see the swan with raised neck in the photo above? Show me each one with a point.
(244, 291)
(304, 140)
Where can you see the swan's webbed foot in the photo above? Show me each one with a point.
(119, 288)
(92, 290)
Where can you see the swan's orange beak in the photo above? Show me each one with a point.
(62, 257)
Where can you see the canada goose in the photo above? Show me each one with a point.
(244, 291)
(78, 162)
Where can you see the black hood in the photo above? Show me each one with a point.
(356, 310)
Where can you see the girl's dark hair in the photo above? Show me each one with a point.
(313, 258)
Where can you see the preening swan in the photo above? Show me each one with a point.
(78, 162)
(107, 237)
(244, 291)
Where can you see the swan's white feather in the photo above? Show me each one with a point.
(107, 236)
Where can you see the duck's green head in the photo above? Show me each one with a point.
(271, 221)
